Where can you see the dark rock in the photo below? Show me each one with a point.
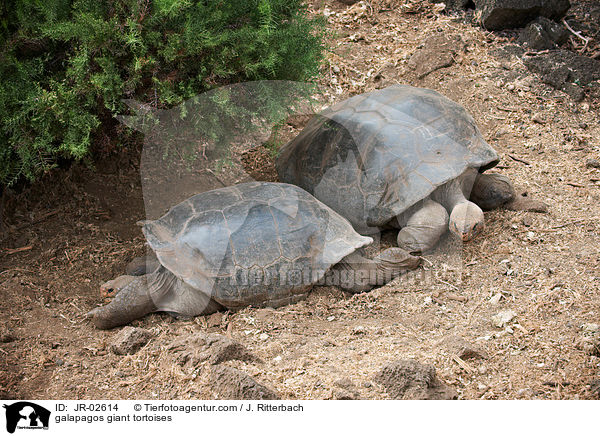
(6, 335)
(543, 34)
(595, 387)
(344, 394)
(191, 350)
(559, 68)
(129, 340)
(592, 163)
(463, 349)
(574, 91)
(226, 349)
(411, 380)
(509, 14)
(344, 383)
(590, 339)
(437, 52)
(232, 384)
(347, 390)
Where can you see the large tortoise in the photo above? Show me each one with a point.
(403, 157)
(250, 244)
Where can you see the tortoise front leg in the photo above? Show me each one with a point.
(423, 228)
(466, 218)
(355, 273)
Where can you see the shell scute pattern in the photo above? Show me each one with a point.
(373, 156)
(243, 244)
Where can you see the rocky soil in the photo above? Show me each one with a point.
(517, 318)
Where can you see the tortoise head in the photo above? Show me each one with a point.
(112, 287)
(466, 220)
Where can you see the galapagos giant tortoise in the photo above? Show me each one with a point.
(250, 244)
(403, 157)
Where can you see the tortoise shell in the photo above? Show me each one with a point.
(373, 156)
(253, 243)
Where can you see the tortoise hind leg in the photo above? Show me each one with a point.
(491, 191)
(423, 228)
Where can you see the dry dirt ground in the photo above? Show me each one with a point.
(77, 229)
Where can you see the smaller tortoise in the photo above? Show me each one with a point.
(399, 157)
(260, 244)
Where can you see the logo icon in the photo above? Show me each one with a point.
(26, 415)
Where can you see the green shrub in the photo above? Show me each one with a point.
(67, 65)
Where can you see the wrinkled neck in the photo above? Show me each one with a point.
(159, 282)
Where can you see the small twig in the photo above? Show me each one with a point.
(18, 250)
(426, 260)
(455, 297)
(518, 159)
(447, 283)
(211, 172)
(574, 222)
(575, 185)
(577, 34)
(464, 365)
(37, 220)
(507, 108)
(62, 316)
(437, 300)
(535, 53)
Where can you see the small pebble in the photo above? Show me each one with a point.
(503, 317)
(359, 330)
(330, 318)
(538, 118)
(496, 299)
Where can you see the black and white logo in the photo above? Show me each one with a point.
(26, 415)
